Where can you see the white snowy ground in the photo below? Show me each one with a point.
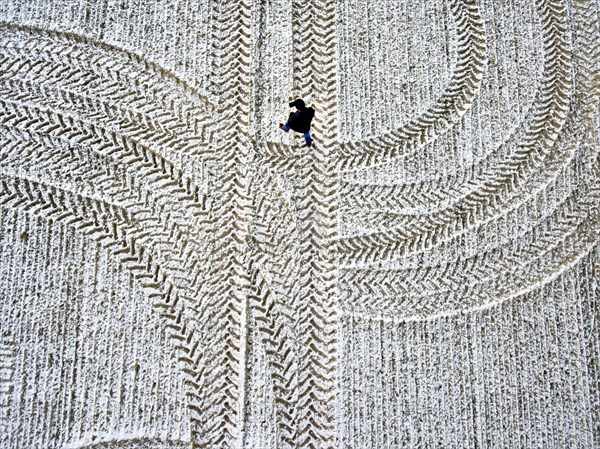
(176, 272)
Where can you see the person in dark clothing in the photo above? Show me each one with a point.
(300, 120)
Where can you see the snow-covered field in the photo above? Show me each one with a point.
(176, 272)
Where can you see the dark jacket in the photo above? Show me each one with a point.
(299, 121)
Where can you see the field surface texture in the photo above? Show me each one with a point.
(177, 272)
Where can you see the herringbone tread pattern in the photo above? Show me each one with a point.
(429, 283)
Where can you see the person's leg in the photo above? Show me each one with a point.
(308, 139)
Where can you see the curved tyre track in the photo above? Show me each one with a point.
(497, 185)
(457, 98)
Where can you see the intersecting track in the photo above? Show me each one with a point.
(229, 272)
(498, 181)
(97, 139)
(275, 277)
(294, 275)
(103, 165)
(417, 265)
(528, 145)
(315, 79)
